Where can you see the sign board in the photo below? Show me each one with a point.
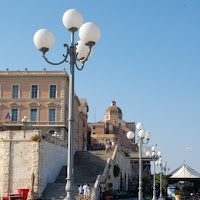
(170, 192)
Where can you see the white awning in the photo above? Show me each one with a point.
(185, 171)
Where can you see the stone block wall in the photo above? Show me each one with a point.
(121, 158)
(29, 164)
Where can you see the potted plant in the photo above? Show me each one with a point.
(107, 194)
(178, 194)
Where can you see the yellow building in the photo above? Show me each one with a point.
(41, 96)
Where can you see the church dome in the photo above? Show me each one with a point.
(113, 112)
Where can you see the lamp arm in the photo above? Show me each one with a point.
(64, 60)
(132, 142)
(83, 60)
(146, 142)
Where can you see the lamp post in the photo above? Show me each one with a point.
(161, 168)
(142, 134)
(24, 121)
(154, 155)
(165, 169)
(89, 34)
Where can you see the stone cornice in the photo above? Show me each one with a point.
(30, 99)
(44, 74)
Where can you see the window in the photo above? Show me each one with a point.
(14, 115)
(33, 115)
(52, 91)
(94, 127)
(34, 91)
(119, 124)
(52, 115)
(94, 133)
(15, 91)
(124, 132)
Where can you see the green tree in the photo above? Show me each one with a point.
(164, 181)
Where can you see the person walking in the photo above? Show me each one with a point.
(86, 190)
(108, 144)
(113, 145)
(80, 191)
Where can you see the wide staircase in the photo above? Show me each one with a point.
(87, 166)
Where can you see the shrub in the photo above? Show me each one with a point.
(35, 138)
(109, 185)
(108, 176)
(178, 192)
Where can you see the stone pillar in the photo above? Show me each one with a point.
(36, 184)
(62, 131)
(6, 167)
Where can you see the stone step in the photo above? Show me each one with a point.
(87, 166)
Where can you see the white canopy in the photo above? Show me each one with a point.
(185, 172)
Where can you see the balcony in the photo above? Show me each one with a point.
(32, 124)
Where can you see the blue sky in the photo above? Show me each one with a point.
(147, 60)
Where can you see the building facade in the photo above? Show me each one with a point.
(113, 127)
(41, 96)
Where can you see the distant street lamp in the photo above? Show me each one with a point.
(142, 134)
(154, 155)
(25, 123)
(165, 169)
(161, 168)
(89, 34)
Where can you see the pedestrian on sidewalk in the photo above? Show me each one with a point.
(113, 145)
(86, 189)
(108, 144)
(80, 191)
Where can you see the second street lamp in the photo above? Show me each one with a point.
(142, 134)
(89, 34)
(161, 168)
(154, 155)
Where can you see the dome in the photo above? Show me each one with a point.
(113, 111)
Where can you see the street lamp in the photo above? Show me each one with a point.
(154, 155)
(25, 123)
(89, 34)
(161, 168)
(165, 169)
(142, 134)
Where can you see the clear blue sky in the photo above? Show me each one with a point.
(147, 60)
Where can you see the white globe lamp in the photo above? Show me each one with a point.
(72, 20)
(82, 50)
(44, 40)
(130, 135)
(140, 126)
(148, 135)
(159, 153)
(153, 148)
(142, 133)
(89, 33)
(148, 154)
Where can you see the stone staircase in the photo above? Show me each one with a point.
(87, 166)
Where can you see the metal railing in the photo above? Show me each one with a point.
(19, 123)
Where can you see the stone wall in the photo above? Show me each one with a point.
(29, 163)
(121, 159)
